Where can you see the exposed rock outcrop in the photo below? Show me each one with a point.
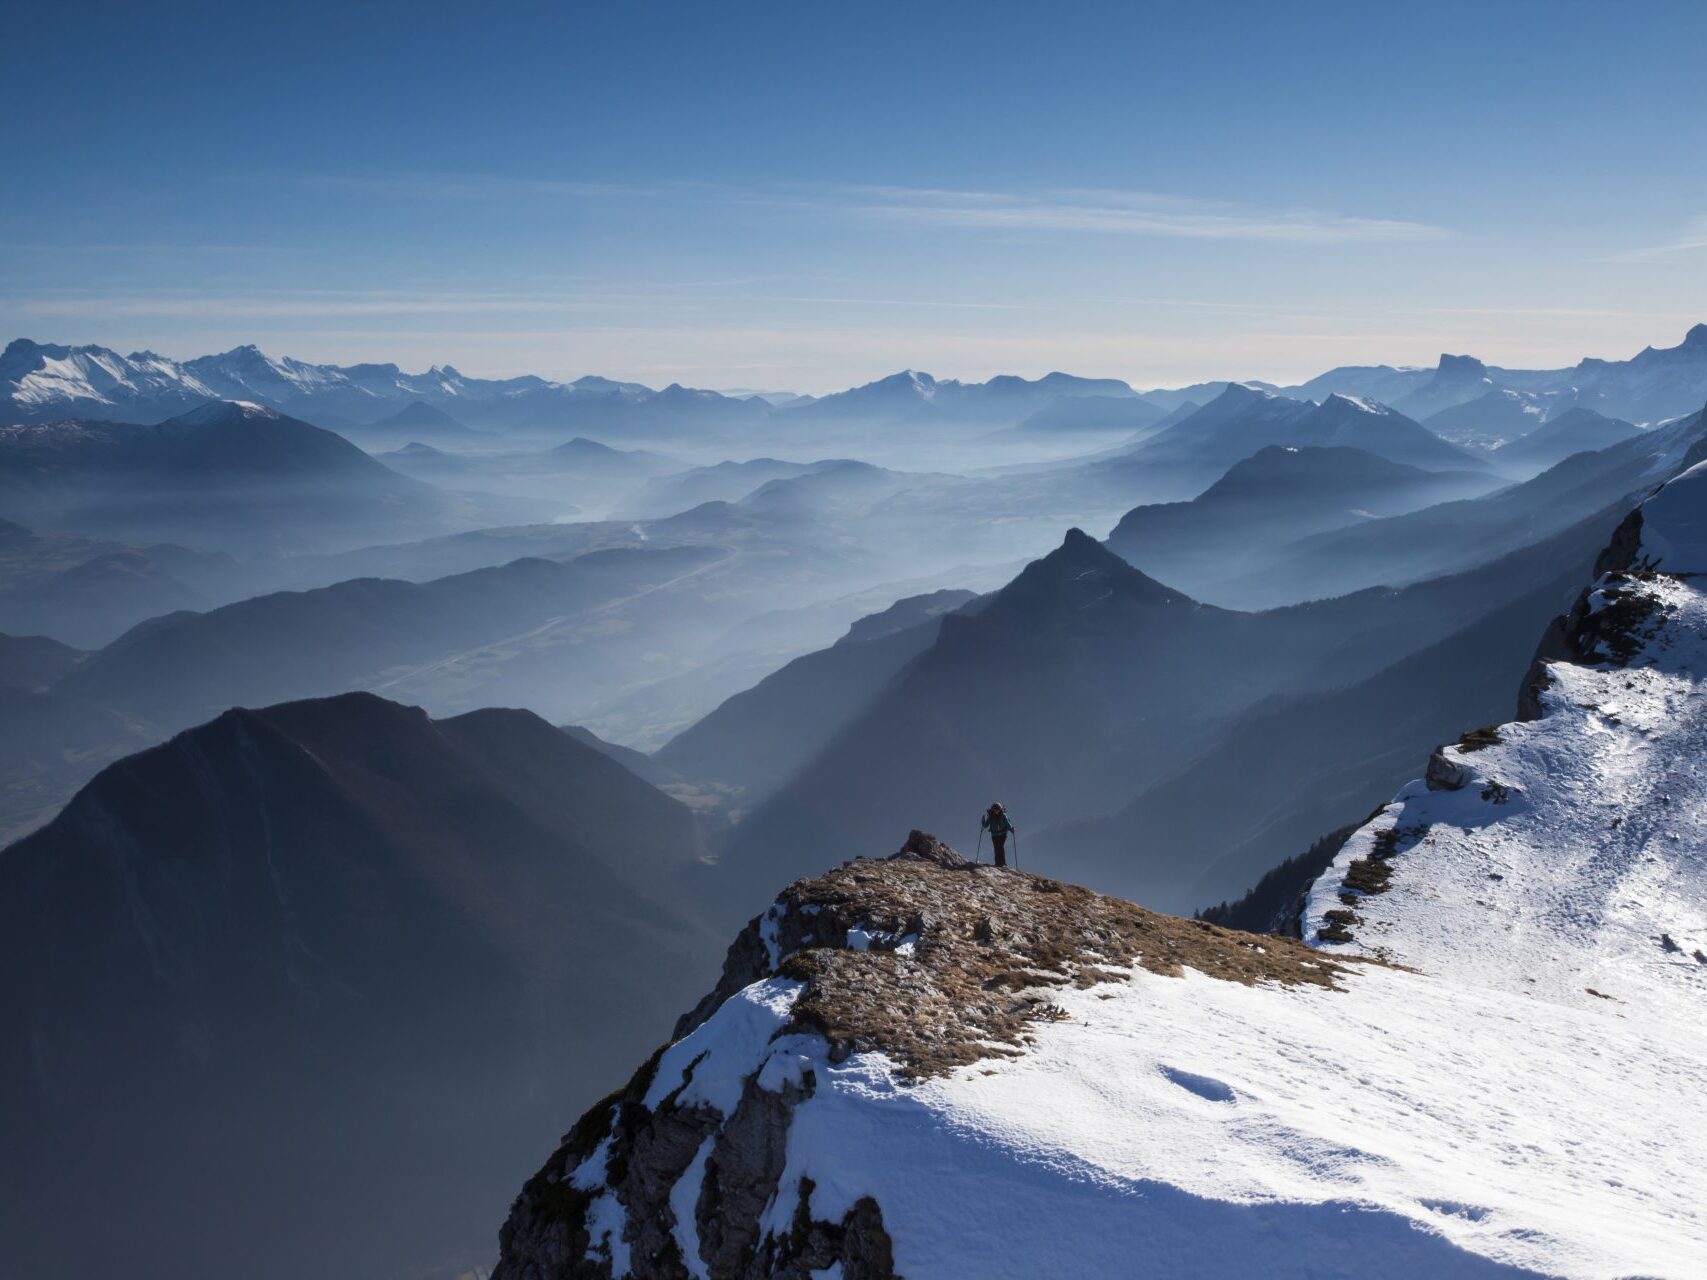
(1605, 622)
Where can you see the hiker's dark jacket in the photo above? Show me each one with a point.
(997, 824)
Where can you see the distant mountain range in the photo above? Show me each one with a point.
(1655, 384)
(232, 475)
(1086, 687)
(45, 381)
(1278, 495)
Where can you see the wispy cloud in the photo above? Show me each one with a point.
(1693, 240)
(1127, 213)
(1133, 213)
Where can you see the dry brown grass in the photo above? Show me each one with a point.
(991, 946)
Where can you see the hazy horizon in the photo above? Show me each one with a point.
(774, 199)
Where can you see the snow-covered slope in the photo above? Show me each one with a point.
(48, 379)
(1564, 858)
(42, 381)
(1487, 1062)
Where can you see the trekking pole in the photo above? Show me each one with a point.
(1016, 848)
(978, 849)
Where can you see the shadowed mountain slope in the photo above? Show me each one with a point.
(1576, 430)
(1454, 536)
(758, 738)
(1278, 495)
(177, 669)
(1182, 845)
(1081, 685)
(376, 947)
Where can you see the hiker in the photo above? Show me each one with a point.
(997, 823)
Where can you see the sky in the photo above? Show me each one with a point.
(808, 196)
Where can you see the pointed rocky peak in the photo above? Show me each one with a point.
(1239, 406)
(677, 392)
(907, 379)
(1082, 576)
(1695, 340)
(1580, 415)
(1239, 393)
(247, 354)
(225, 413)
(1341, 406)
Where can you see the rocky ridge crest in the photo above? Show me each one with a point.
(933, 960)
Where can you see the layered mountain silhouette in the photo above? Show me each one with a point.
(720, 482)
(377, 948)
(591, 475)
(1178, 842)
(89, 591)
(1451, 537)
(180, 668)
(1499, 415)
(29, 663)
(1278, 495)
(757, 739)
(419, 420)
(1576, 430)
(1084, 683)
(231, 476)
(1191, 453)
(1077, 674)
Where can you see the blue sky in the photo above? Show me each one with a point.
(806, 196)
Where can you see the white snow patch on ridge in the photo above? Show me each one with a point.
(718, 1056)
(1674, 523)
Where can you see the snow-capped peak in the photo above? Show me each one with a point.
(1360, 403)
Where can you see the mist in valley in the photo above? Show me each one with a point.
(774, 629)
(491, 500)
